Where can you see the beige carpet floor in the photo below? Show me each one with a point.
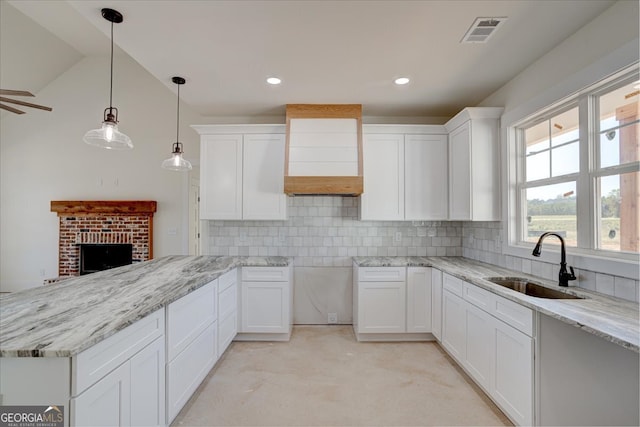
(324, 377)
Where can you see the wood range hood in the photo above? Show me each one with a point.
(323, 154)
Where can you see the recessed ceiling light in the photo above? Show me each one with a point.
(274, 81)
(401, 80)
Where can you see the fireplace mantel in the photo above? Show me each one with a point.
(96, 207)
(103, 222)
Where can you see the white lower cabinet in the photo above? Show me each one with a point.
(192, 343)
(496, 355)
(120, 381)
(418, 299)
(513, 385)
(392, 303)
(381, 307)
(453, 325)
(266, 304)
(436, 303)
(479, 345)
(148, 385)
(189, 368)
(106, 403)
(227, 309)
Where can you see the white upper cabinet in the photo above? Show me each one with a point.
(383, 196)
(474, 164)
(242, 172)
(263, 177)
(405, 173)
(221, 177)
(426, 174)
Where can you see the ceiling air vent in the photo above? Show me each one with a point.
(482, 29)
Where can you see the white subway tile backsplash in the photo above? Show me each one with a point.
(625, 288)
(604, 284)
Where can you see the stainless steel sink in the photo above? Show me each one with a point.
(524, 286)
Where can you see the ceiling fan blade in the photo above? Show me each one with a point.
(13, 110)
(26, 104)
(15, 92)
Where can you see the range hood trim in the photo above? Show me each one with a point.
(324, 185)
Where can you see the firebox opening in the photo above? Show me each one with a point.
(98, 257)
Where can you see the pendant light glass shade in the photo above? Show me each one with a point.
(108, 136)
(176, 162)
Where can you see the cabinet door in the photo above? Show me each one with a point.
(383, 163)
(381, 307)
(106, 403)
(189, 316)
(460, 173)
(436, 303)
(221, 177)
(453, 325)
(479, 357)
(147, 386)
(263, 177)
(426, 177)
(227, 317)
(189, 368)
(513, 386)
(418, 299)
(265, 307)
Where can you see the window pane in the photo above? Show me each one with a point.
(551, 208)
(618, 126)
(564, 127)
(619, 216)
(565, 159)
(536, 137)
(538, 166)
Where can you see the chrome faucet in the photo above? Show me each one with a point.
(564, 276)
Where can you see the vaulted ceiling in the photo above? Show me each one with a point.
(324, 51)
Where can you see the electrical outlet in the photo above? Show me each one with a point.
(332, 318)
(398, 236)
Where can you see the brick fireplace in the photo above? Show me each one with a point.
(103, 222)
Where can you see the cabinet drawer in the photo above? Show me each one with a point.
(228, 302)
(265, 274)
(97, 361)
(227, 330)
(227, 279)
(382, 274)
(452, 284)
(477, 296)
(189, 368)
(189, 316)
(513, 314)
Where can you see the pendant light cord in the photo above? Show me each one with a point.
(111, 82)
(178, 118)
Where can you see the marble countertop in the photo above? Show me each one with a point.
(612, 319)
(63, 319)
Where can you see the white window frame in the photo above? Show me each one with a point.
(584, 256)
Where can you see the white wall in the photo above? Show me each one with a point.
(561, 71)
(43, 158)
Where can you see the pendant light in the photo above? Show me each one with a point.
(108, 136)
(176, 162)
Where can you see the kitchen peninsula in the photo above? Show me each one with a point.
(97, 344)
